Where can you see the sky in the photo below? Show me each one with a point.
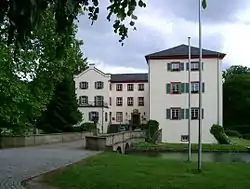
(164, 24)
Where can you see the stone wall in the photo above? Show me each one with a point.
(36, 140)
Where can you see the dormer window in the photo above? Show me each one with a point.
(99, 85)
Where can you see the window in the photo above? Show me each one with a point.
(194, 66)
(140, 87)
(175, 88)
(93, 116)
(175, 66)
(83, 85)
(106, 116)
(118, 101)
(118, 87)
(184, 138)
(110, 87)
(194, 113)
(130, 101)
(99, 100)
(175, 113)
(130, 87)
(140, 101)
(110, 101)
(83, 100)
(119, 117)
(99, 85)
(194, 87)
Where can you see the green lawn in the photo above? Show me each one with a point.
(181, 146)
(240, 141)
(115, 171)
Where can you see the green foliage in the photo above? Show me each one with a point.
(24, 16)
(88, 126)
(62, 111)
(233, 133)
(219, 134)
(204, 4)
(152, 128)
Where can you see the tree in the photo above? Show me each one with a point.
(27, 81)
(24, 16)
(235, 70)
(62, 111)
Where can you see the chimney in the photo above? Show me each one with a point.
(91, 65)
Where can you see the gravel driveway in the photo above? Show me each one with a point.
(20, 163)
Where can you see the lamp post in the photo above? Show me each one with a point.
(200, 91)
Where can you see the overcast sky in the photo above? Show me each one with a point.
(167, 23)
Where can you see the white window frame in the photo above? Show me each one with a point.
(83, 85)
(141, 101)
(130, 87)
(130, 101)
(195, 86)
(195, 65)
(83, 100)
(175, 88)
(119, 117)
(119, 101)
(93, 114)
(175, 113)
(175, 66)
(194, 113)
(184, 138)
(99, 85)
(119, 87)
(99, 100)
(140, 87)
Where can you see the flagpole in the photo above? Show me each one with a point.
(189, 99)
(200, 91)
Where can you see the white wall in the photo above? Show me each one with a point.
(92, 75)
(128, 109)
(160, 100)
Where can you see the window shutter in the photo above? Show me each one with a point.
(187, 87)
(202, 113)
(182, 114)
(203, 87)
(168, 114)
(187, 113)
(90, 116)
(181, 66)
(168, 86)
(169, 66)
(202, 65)
(187, 66)
(95, 85)
(182, 87)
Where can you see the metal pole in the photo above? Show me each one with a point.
(200, 91)
(189, 100)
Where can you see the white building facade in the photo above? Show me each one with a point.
(161, 94)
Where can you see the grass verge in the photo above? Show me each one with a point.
(113, 171)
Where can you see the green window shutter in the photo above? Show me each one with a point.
(181, 66)
(203, 87)
(187, 113)
(168, 88)
(187, 87)
(169, 67)
(168, 112)
(187, 66)
(90, 116)
(182, 113)
(202, 113)
(182, 87)
(202, 65)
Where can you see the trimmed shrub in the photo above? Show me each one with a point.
(219, 134)
(151, 128)
(88, 126)
(233, 133)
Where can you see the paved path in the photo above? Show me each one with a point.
(20, 163)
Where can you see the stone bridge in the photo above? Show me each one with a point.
(119, 142)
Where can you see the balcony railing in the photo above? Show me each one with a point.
(93, 104)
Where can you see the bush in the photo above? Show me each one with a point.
(88, 126)
(246, 136)
(151, 128)
(233, 133)
(219, 134)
